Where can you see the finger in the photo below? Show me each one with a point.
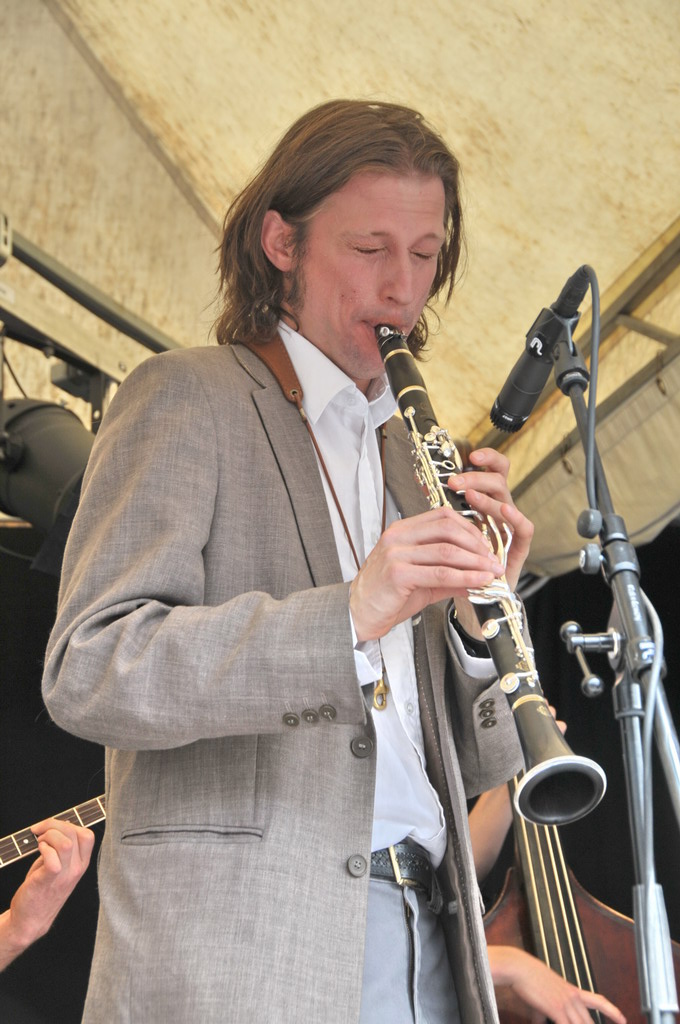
(42, 826)
(504, 512)
(85, 844)
(502, 517)
(401, 541)
(522, 530)
(493, 484)
(472, 488)
(487, 503)
(562, 726)
(427, 574)
(576, 1012)
(441, 523)
(490, 477)
(448, 555)
(66, 828)
(60, 839)
(489, 458)
(601, 1003)
(516, 519)
(52, 859)
(577, 1008)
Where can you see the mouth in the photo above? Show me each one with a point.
(392, 324)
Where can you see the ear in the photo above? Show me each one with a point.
(277, 240)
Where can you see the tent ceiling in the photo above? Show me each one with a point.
(565, 119)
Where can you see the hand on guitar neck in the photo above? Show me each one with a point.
(64, 850)
(64, 854)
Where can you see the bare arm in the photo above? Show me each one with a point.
(489, 821)
(547, 995)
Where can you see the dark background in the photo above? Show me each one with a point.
(44, 771)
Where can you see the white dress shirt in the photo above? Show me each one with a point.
(345, 422)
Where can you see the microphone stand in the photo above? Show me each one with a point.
(638, 696)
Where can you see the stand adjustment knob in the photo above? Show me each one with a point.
(589, 522)
(575, 641)
(590, 559)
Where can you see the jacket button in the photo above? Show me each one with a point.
(290, 719)
(488, 723)
(357, 865)
(361, 746)
(310, 716)
(328, 712)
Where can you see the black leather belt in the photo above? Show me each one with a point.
(408, 864)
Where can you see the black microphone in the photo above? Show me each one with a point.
(528, 376)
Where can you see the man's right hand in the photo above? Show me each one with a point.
(418, 561)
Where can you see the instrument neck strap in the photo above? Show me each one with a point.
(274, 355)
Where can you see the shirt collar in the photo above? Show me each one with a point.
(322, 381)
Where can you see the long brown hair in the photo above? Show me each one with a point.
(315, 158)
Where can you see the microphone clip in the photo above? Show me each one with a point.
(547, 331)
(570, 368)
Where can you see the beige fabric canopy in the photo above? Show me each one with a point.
(129, 126)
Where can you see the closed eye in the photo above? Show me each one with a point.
(373, 250)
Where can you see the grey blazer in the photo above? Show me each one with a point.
(203, 637)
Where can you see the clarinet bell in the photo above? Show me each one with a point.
(557, 786)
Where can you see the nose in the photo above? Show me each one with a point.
(399, 281)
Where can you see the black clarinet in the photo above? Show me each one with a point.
(557, 785)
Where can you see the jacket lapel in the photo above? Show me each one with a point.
(295, 456)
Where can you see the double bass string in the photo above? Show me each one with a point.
(558, 935)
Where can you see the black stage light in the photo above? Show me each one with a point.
(44, 449)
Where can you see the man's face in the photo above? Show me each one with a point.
(369, 257)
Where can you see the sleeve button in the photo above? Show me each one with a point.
(290, 719)
(361, 746)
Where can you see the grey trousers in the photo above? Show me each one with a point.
(407, 978)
